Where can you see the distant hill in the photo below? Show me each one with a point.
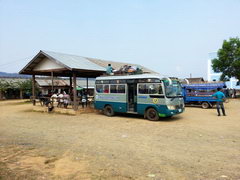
(14, 75)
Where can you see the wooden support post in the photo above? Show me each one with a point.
(87, 94)
(52, 81)
(70, 85)
(74, 91)
(33, 90)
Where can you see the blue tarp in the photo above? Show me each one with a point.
(204, 86)
(198, 96)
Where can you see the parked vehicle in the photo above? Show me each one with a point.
(201, 94)
(144, 94)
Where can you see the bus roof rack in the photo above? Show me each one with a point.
(123, 74)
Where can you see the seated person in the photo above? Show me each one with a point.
(109, 69)
(66, 99)
(60, 100)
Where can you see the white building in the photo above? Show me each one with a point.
(213, 76)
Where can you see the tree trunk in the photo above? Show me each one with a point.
(21, 94)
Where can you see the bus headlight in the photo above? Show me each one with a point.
(171, 107)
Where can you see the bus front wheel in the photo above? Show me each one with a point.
(205, 105)
(152, 114)
(108, 110)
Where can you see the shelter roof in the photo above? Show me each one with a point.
(83, 82)
(64, 82)
(74, 62)
(62, 64)
(48, 82)
(118, 65)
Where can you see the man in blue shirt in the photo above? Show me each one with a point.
(109, 69)
(220, 97)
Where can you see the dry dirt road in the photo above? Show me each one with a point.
(194, 145)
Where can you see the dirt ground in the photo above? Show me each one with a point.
(193, 145)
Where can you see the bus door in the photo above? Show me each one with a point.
(132, 97)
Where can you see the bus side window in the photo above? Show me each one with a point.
(117, 89)
(153, 88)
(142, 89)
(99, 88)
(121, 88)
(106, 89)
(113, 88)
(150, 89)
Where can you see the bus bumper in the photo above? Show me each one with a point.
(169, 113)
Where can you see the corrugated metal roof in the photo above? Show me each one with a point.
(118, 65)
(64, 82)
(79, 62)
(48, 82)
(83, 65)
(83, 83)
(75, 62)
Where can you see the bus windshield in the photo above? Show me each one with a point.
(173, 90)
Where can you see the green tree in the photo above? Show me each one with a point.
(24, 86)
(228, 59)
(4, 85)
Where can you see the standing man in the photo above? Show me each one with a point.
(220, 97)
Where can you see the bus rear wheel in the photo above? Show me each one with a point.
(205, 105)
(152, 114)
(108, 110)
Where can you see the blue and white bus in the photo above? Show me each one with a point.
(144, 94)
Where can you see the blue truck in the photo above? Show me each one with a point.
(201, 94)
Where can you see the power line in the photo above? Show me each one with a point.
(11, 62)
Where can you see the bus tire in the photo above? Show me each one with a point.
(205, 105)
(152, 114)
(108, 111)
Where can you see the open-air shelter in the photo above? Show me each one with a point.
(47, 63)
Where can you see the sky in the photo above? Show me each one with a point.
(171, 37)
